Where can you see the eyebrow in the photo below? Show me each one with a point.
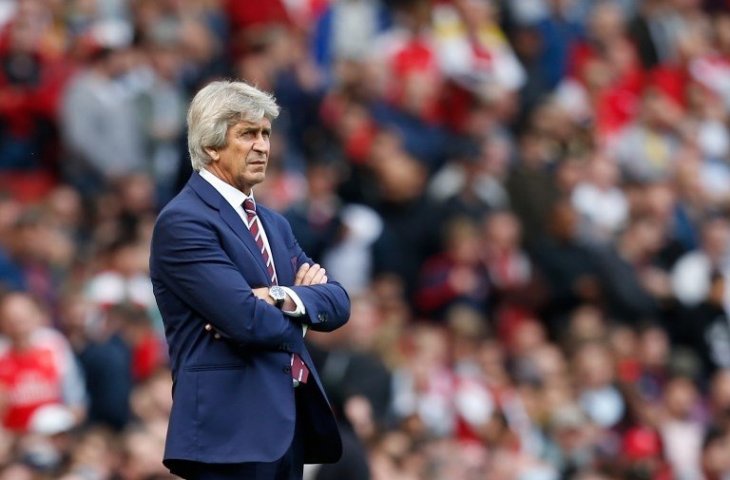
(252, 128)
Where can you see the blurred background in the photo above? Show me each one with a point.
(528, 202)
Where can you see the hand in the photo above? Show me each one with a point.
(262, 293)
(656, 282)
(463, 280)
(310, 275)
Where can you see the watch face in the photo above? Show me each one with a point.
(277, 293)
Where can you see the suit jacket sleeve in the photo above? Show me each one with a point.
(188, 260)
(328, 305)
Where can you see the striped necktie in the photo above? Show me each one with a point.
(254, 225)
(299, 370)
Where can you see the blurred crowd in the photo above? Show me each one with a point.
(527, 200)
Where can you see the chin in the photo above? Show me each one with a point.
(255, 179)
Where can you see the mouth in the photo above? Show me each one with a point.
(257, 164)
(257, 161)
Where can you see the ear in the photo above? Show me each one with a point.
(212, 153)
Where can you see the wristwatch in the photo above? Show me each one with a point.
(278, 294)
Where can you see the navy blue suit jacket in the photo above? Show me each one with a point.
(233, 399)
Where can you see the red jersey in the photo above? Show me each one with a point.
(30, 379)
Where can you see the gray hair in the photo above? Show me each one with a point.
(218, 106)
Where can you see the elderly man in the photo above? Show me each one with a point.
(236, 293)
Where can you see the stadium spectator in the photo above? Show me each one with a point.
(586, 142)
(37, 369)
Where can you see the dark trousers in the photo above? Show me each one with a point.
(288, 467)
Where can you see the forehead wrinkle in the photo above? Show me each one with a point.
(261, 124)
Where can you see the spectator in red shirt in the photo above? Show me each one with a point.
(457, 275)
(36, 367)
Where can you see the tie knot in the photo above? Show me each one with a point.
(249, 206)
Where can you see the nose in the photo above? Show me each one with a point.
(262, 143)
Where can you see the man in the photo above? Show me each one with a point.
(39, 377)
(247, 402)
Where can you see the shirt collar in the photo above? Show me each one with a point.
(232, 195)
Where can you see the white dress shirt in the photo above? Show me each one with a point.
(235, 198)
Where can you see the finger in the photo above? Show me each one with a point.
(300, 274)
(317, 279)
(324, 279)
(307, 280)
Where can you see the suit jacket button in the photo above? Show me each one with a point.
(286, 370)
(322, 317)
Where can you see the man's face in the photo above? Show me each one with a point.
(19, 317)
(243, 160)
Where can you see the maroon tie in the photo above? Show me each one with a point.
(255, 227)
(299, 370)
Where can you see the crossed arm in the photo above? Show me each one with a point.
(306, 275)
(188, 262)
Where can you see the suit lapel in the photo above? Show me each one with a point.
(210, 195)
(239, 228)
